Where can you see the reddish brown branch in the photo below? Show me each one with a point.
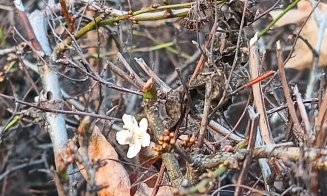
(29, 30)
(69, 19)
(257, 93)
(203, 59)
(159, 180)
(264, 76)
(206, 108)
(303, 112)
(321, 123)
(251, 138)
(299, 132)
(261, 78)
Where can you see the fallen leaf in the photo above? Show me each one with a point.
(302, 56)
(144, 190)
(164, 191)
(111, 175)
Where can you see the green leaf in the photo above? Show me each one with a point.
(13, 122)
(2, 37)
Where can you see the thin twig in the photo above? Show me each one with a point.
(69, 19)
(298, 33)
(257, 92)
(98, 78)
(265, 12)
(299, 132)
(284, 106)
(303, 112)
(291, 6)
(123, 75)
(205, 115)
(135, 77)
(21, 166)
(237, 46)
(152, 74)
(60, 111)
(314, 75)
(321, 124)
(223, 131)
(202, 60)
(251, 138)
(159, 180)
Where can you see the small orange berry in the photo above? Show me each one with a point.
(166, 132)
(172, 141)
(172, 134)
(166, 138)
(165, 146)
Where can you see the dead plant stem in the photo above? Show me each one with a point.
(299, 132)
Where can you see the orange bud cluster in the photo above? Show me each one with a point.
(165, 142)
(188, 141)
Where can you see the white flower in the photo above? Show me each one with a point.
(133, 134)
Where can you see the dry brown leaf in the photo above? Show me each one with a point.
(144, 190)
(302, 56)
(112, 175)
(164, 191)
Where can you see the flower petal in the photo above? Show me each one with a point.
(143, 125)
(129, 122)
(124, 137)
(133, 150)
(145, 140)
